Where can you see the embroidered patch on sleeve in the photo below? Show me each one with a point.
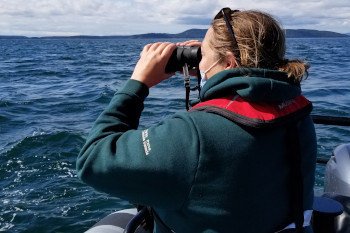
(146, 143)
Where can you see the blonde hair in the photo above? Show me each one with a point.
(261, 43)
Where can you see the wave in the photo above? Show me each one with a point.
(46, 143)
(40, 189)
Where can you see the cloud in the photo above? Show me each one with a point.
(115, 17)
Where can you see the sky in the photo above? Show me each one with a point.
(130, 17)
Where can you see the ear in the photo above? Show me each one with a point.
(230, 61)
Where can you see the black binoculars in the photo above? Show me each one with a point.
(190, 55)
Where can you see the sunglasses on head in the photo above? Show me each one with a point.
(226, 14)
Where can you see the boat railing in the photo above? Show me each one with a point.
(329, 120)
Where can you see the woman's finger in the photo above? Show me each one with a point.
(168, 49)
(189, 43)
(145, 49)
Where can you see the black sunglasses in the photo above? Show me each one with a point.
(226, 14)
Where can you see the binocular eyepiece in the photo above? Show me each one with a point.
(190, 55)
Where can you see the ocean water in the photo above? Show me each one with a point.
(51, 92)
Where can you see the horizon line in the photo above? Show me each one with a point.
(155, 33)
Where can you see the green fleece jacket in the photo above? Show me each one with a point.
(200, 171)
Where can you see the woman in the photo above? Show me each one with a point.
(242, 160)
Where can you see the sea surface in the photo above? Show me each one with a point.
(51, 92)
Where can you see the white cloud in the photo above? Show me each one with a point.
(116, 17)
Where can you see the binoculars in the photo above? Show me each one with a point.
(190, 55)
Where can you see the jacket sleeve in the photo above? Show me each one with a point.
(155, 166)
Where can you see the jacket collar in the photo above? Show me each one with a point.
(251, 84)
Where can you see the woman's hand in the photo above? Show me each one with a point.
(150, 69)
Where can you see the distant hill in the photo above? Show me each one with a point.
(13, 37)
(192, 33)
(306, 33)
(290, 33)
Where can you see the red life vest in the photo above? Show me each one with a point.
(266, 116)
(257, 114)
